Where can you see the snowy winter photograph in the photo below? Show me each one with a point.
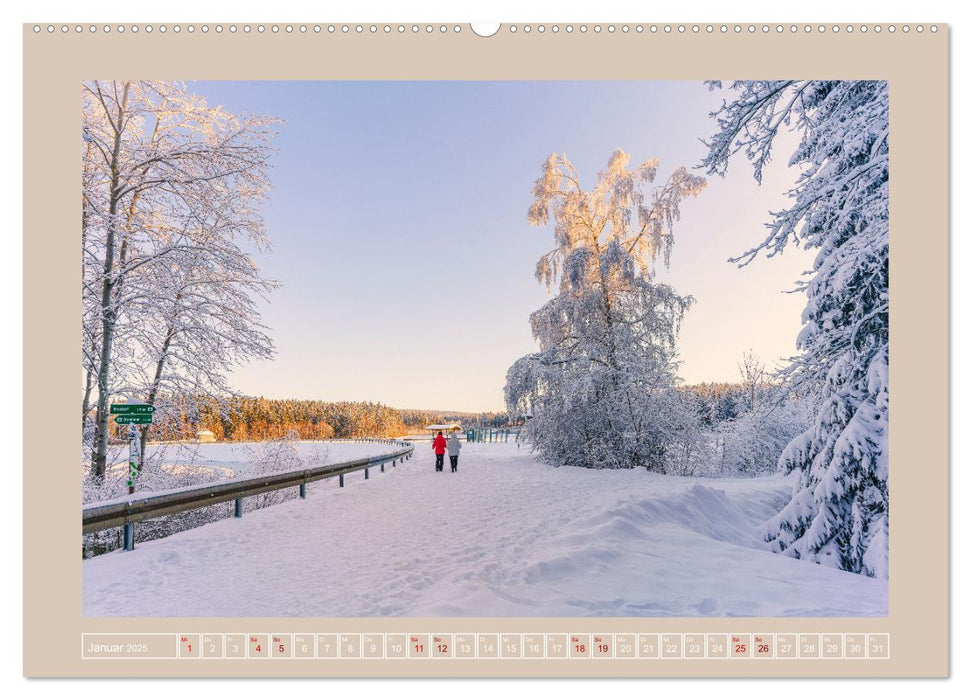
(485, 348)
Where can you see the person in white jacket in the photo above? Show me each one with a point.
(454, 447)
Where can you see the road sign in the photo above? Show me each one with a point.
(132, 408)
(140, 419)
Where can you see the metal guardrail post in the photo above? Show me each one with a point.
(129, 536)
(342, 480)
(238, 512)
(303, 490)
(366, 474)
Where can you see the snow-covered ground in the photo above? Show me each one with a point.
(234, 459)
(504, 536)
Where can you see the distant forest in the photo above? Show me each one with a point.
(256, 418)
(239, 419)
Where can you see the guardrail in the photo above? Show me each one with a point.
(125, 512)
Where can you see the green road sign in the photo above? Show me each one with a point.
(141, 419)
(130, 408)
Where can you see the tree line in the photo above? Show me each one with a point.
(417, 419)
(238, 418)
(245, 418)
(256, 419)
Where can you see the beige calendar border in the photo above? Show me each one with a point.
(916, 66)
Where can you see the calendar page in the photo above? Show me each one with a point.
(486, 350)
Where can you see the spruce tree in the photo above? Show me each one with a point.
(839, 511)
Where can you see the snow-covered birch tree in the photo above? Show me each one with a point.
(167, 179)
(204, 322)
(839, 511)
(752, 371)
(601, 389)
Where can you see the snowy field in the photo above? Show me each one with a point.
(235, 459)
(504, 536)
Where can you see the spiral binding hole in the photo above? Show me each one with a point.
(511, 29)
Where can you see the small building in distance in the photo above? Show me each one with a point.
(444, 427)
(205, 436)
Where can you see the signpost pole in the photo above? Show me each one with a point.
(133, 415)
(134, 448)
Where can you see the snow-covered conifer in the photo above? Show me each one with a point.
(839, 206)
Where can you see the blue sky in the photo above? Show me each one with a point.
(399, 232)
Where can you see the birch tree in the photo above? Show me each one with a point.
(752, 371)
(839, 512)
(161, 167)
(601, 388)
(205, 322)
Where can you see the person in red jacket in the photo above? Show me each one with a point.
(438, 444)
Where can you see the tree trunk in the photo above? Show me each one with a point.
(612, 361)
(88, 374)
(86, 400)
(108, 317)
(156, 381)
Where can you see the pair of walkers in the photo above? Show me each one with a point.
(440, 445)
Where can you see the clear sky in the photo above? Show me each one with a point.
(399, 232)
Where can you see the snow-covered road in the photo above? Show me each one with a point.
(504, 536)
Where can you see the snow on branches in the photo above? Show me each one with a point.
(172, 190)
(601, 388)
(839, 206)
